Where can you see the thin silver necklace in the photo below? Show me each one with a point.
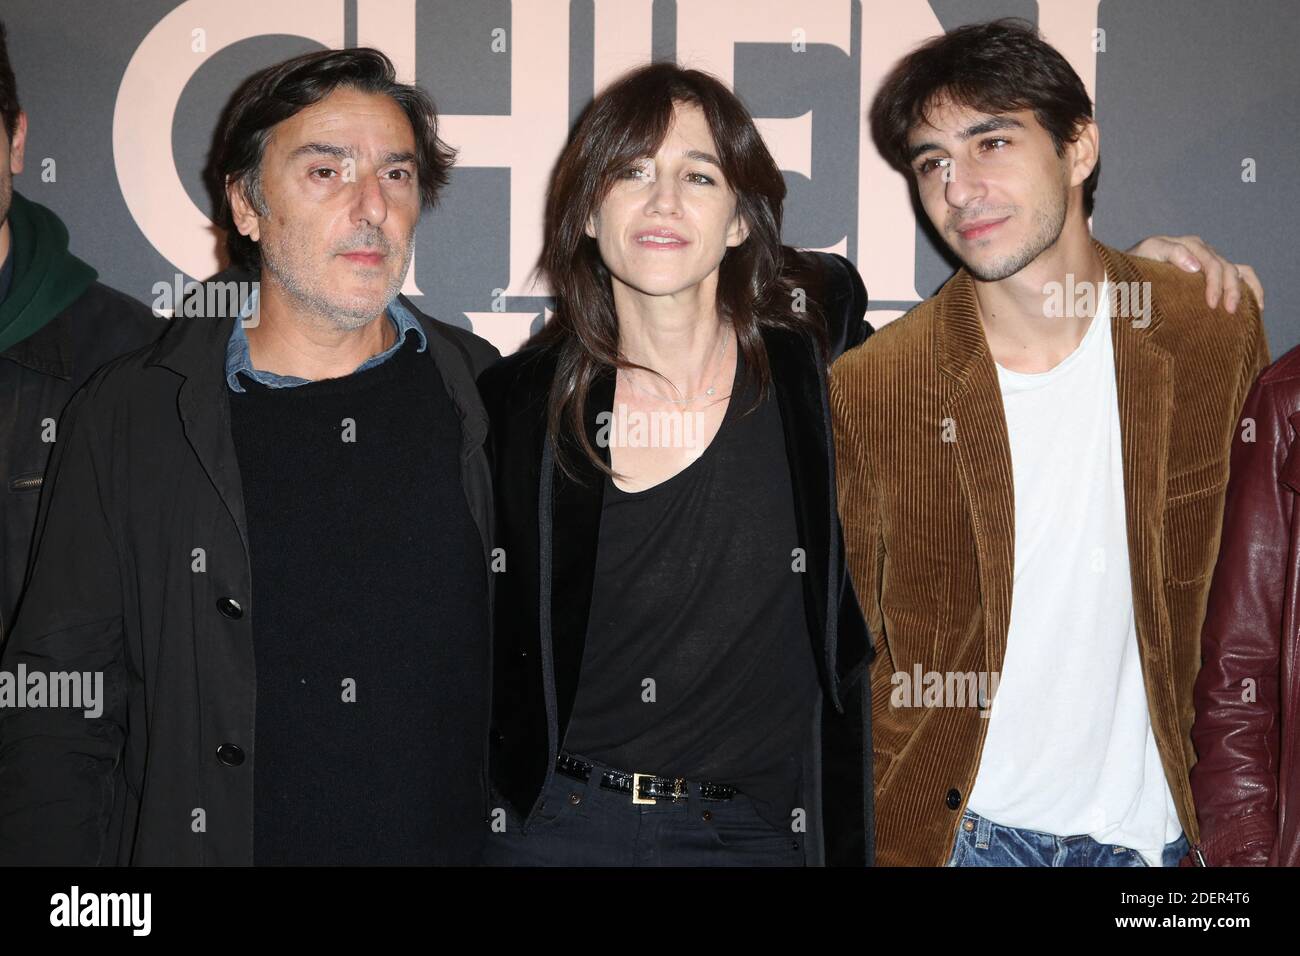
(708, 392)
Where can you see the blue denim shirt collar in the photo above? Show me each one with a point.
(238, 358)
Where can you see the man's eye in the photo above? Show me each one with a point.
(989, 143)
(401, 173)
(317, 172)
(928, 165)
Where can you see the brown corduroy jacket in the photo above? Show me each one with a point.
(925, 491)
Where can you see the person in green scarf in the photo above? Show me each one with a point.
(57, 326)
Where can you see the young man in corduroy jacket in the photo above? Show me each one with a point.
(1031, 474)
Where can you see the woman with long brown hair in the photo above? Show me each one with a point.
(678, 652)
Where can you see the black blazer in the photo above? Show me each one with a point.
(543, 595)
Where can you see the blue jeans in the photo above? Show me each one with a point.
(981, 842)
(582, 824)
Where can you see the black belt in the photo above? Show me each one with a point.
(643, 787)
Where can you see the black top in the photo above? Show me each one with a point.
(698, 590)
(368, 573)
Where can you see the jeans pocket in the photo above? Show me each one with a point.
(741, 825)
(554, 809)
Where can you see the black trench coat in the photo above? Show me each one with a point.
(544, 595)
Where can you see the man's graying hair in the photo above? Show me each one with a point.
(279, 92)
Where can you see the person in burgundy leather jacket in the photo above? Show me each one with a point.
(1246, 782)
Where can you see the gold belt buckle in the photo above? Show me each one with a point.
(636, 789)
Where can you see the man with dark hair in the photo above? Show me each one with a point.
(994, 68)
(1031, 472)
(57, 325)
(270, 532)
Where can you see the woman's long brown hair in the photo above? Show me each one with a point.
(757, 280)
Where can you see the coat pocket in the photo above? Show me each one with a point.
(1191, 535)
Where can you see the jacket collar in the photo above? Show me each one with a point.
(47, 350)
(960, 338)
(195, 348)
(455, 367)
(972, 408)
(1144, 376)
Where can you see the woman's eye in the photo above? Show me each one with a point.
(634, 172)
(701, 178)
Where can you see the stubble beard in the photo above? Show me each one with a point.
(285, 260)
(1048, 222)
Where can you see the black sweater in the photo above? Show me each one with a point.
(369, 616)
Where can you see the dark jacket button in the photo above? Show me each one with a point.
(230, 755)
(954, 798)
(230, 608)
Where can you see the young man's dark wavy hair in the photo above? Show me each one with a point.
(276, 93)
(757, 280)
(994, 67)
(9, 107)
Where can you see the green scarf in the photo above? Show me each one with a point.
(47, 278)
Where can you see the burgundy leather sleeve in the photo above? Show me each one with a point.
(1236, 695)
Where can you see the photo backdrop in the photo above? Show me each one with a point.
(1196, 99)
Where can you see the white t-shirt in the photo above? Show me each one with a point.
(1070, 748)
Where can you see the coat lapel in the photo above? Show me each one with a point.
(800, 391)
(196, 349)
(576, 507)
(458, 380)
(1144, 382)
(972, 412)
